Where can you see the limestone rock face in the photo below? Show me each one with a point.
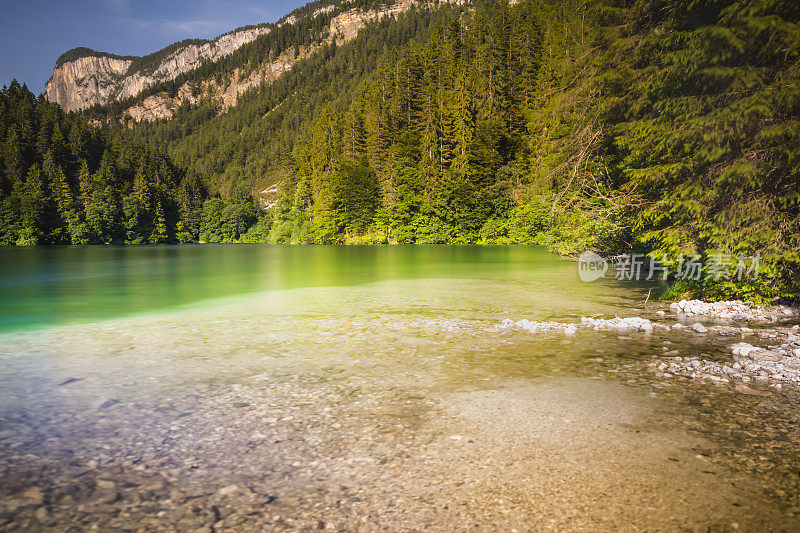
(344, 27)
(99, 79)
(86, 81)
(152, 108)
(186, 59)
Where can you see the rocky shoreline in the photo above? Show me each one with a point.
(772, 356)
(775, 364)
(774, 359)
(733, 310)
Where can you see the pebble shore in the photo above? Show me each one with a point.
(774, 359)
(771, 357)
(733, 310)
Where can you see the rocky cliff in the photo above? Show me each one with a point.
(343, 27)
(98, 78)
(85, 81)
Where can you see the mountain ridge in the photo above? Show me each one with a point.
(99, 77)
(84, 78)
(342, 28)
(73, 54)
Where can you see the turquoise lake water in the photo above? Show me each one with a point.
(62, 285)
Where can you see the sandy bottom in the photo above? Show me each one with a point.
(588, 454)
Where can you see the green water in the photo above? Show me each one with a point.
(64, 285)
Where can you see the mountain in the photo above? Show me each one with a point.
(83, 78)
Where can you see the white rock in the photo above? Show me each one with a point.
(742, 348)
(620, 324)
(699, 328)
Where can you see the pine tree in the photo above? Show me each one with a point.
(33, 199)
(159, 235)
(12, 159)
(84, 182)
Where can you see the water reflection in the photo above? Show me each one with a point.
(56, 285)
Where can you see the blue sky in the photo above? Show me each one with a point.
(33, 33)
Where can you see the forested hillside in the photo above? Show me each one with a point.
(66, 182)
(429, 148)
(666, 127)
(253, 141)
(700, 108)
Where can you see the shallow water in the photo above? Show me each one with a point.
(434, 310)
(381, 368)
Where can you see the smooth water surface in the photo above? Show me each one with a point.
(429, 315)
(61, 285)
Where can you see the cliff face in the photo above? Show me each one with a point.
(84, 82)
(344, 27)
(188, 58)
(99, 79)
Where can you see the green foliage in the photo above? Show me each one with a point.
(63, 181)
(259, 232)
(414, 152)
(705, 135)
(228, 221)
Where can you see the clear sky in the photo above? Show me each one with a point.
(33, 33)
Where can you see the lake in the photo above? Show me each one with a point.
(364, 387)
(43, 286)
